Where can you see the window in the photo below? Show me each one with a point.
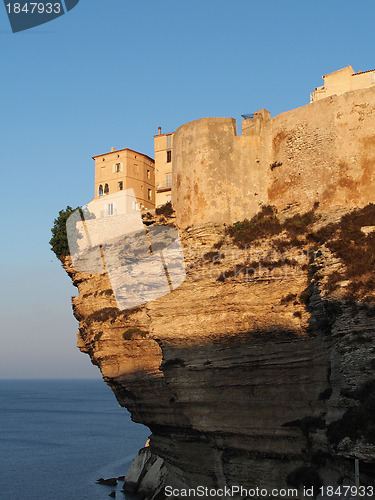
(106, 189)
(120, 186)
(168, 180)
(100, 190)
(111, 210)
(136, 205)
(149, 194)
(169, 141)
(148, 174)
(116, 167)
(169, 156)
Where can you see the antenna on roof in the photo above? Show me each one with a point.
(249, 116)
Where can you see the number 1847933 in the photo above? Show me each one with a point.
(34, 8)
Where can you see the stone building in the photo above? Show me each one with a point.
(163, 144)
(343, 80)
(322, 152)
(125, 169)
(211, 172)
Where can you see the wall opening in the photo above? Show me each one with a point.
(238, 127)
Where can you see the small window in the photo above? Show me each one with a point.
(148, 174)
(116, 167)
(136, 205)
(111, 210)
(169, 141)
(106, 189)
(149, 195)
(169, 156)
(142, 188)
(120, 185)
(168, 180)
(103, 159)
(100, 190)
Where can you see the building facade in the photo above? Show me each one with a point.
(163, 144)
(343, 80)
(126, 169)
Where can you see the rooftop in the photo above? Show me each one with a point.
(121, 150)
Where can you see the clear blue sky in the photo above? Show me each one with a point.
(108, 73)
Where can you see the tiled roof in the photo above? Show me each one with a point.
(361, 72)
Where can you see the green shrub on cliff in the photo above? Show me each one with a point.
(166, 209)
(355, 249)
(59, 241)
(265, 224)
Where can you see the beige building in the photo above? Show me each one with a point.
(126, 169)
(163, 144)
(343, 80)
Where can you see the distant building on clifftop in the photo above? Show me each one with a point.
(343, 80)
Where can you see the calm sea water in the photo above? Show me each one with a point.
(57, 437)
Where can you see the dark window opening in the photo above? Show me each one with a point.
(106, 189)
(100, 190)
(121, 186)
(169, 156)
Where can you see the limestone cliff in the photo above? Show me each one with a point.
(255, 371)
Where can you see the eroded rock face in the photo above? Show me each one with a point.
(243, 379)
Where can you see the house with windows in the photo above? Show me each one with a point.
(124, 169)
(163, 146)
(343, 80)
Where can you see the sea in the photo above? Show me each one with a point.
(57, 437)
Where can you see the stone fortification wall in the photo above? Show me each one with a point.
(327, 153)
(217, 175)
(320, 152)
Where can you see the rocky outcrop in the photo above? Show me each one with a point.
(250, 373)
(148, 476)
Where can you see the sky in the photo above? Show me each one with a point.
(108, 73)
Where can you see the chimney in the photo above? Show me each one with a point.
(112, 150)
(159, 130)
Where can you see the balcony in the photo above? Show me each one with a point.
(161, 188)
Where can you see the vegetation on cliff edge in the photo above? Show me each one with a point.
(59, 241)
(266, 224)
(344, 239)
